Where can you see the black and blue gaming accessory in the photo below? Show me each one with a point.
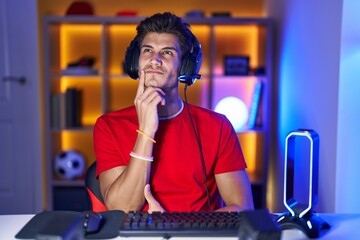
(301, 167)
(190, 66)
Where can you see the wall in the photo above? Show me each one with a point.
(317, 90)
(348, 164)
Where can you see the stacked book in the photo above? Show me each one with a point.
(66, 109)
(255, 111)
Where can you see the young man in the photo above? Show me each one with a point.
(157, 155)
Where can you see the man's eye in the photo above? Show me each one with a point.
(167, 53)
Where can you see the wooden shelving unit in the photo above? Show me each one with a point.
(67, 39)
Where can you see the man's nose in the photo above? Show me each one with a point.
(156, 59)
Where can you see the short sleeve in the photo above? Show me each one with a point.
(105, 147)
(230, 155)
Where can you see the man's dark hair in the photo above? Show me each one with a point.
(167, 23)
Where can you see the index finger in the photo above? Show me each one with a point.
(141, 86)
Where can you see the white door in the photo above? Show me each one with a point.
(21, 171)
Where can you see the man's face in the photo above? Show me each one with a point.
(160, 57)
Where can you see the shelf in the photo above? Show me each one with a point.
(68, 38)
(136, 20)
(77, 129)
(68, 183)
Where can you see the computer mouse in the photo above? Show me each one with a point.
(92, 221)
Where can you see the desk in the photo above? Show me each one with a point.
(343, 226)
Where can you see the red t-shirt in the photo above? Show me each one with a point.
(177, 179)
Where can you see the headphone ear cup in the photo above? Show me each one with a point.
(132, 55)
(191, 63)
(184, 70)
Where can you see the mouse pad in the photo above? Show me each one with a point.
(108, 229)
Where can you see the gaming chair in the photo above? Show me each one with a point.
(93, 193)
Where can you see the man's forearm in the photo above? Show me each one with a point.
(127, 191)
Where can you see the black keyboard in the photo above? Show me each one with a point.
(257, 224)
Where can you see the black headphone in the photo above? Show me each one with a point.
(190, 65)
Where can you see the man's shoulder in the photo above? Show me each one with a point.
(125, 114)
(206, 113)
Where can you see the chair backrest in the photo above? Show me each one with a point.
(93, 193)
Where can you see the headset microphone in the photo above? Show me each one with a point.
(188, 80)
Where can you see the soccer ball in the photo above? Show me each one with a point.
(69, 164)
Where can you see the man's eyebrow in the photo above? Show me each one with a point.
(169, 48)
(165, 48)
(147, 46)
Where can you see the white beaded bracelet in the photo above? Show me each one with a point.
(142, 157)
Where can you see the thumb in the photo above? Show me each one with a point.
(154, 205)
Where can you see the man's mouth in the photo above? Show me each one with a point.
(152, 71)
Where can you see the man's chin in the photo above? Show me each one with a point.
(152, 83)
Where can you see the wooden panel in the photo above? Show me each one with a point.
(252, 144)
(238, 8)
